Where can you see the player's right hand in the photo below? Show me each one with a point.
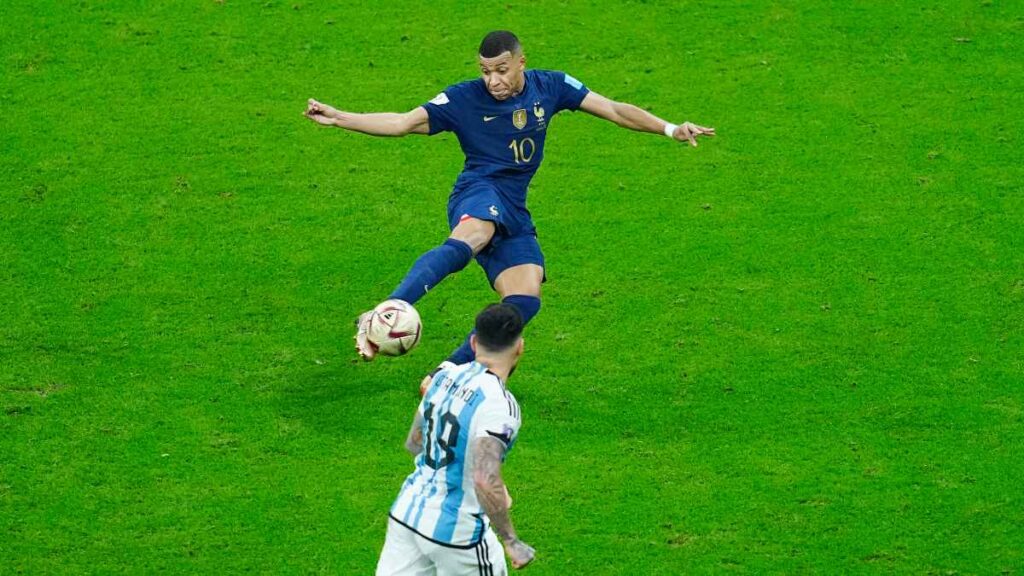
(688, 132)
(320, 113)
(519, 552)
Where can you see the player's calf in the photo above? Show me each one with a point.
(431, 268)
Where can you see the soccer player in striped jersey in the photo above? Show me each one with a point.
(501, 120)
(448, 510)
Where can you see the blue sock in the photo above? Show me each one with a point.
(431, 268)
(528, 307)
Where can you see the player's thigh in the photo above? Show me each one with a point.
(487, 557)
(401, 555)
(514, 264)
(524, 279)
(474, 214)
(475, 232)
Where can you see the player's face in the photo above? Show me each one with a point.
(503, 74)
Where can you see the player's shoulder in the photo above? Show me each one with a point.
(495, 393)
(490, 384)
(545, 73)
(555, 76)
(443, 378)
(545, 76)
(487, 384)
(453, 373)
(555, 80)
(469, 89)
(470, 372)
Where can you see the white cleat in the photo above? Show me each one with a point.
(366, 349)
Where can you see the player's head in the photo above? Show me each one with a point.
(499, 333)
(502, 64)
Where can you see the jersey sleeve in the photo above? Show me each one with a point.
(499, 418)
(441, 111)
(569, 92)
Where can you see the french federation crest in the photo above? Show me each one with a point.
(538, 111)
(519, 118)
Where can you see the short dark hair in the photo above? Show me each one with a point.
(498, 327)
(498, 42)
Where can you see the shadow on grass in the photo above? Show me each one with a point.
(352, 397)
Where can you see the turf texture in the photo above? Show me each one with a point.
(794, 349)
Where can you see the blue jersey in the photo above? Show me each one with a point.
(503, 140)
(438, 500)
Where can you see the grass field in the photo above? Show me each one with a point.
(795, 349)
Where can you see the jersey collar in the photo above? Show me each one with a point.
(488, 370)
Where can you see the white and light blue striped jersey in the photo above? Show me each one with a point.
(438, 500)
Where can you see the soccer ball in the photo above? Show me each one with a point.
(394, 327)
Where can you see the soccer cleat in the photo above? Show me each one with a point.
(425, 383)
(364, 347)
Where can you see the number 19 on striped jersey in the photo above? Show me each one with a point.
(445, 432)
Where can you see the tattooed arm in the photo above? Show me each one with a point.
(414, 442)
(491, 492)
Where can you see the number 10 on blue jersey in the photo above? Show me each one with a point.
(521, 152)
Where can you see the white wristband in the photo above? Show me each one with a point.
(670, 129)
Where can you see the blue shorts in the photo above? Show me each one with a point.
(513, 243)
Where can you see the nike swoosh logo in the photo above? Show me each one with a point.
(489, 118)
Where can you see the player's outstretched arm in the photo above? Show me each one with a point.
(635, 118)
(414, 121)
(493, 496)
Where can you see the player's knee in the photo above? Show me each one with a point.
(527, 305)
(476, 233)
(523, 280)
(460, 253)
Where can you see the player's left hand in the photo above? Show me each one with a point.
(689, 131)
(520, 553)
(319, 112)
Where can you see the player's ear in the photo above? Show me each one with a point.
(520, 346)
(472, 343)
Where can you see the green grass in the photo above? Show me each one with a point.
(794, 349)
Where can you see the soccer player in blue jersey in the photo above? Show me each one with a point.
(447, 511)
(501, 121)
